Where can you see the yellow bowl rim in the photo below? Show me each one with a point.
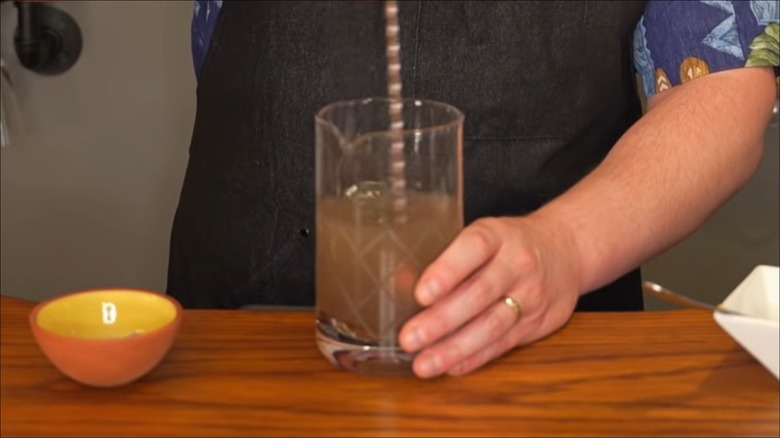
(33, 316)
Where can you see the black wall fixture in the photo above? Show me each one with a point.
(47, 39)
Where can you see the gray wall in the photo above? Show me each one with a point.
(88, 199)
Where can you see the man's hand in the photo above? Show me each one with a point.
(467, 323)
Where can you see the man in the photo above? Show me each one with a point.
(567, 190)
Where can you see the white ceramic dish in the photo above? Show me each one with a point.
(757, 297)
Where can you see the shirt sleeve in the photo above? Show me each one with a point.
(204, 18)
(677, 41)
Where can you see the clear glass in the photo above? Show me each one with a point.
(369, 256)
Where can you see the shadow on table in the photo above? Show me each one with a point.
(274, 308)
(726, 376)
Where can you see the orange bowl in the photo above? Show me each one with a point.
(107, 337)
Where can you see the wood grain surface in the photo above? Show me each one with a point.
(259, 373)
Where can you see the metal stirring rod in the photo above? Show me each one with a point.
(397, 162)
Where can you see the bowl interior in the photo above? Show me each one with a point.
(758, 295)
(106, 314)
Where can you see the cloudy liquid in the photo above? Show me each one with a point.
(367, 266)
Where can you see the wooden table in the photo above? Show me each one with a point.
(259, 373)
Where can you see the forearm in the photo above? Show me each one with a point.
(697, 145)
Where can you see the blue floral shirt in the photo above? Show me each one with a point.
(674, 41)
(204, 19)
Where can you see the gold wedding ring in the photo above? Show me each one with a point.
(509, 301)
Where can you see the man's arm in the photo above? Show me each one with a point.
(707, 68)
(696, 146)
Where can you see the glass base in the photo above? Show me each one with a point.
(365, 359)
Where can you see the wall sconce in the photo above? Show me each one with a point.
(48, 42)
(47, 39)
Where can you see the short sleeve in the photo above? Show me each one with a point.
(204, 18)
(677, 41)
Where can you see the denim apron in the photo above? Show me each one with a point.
(547, 89)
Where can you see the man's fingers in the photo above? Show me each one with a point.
(471, 249)
(469, 300)
(485, 330)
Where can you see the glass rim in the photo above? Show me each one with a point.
(457, 118)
